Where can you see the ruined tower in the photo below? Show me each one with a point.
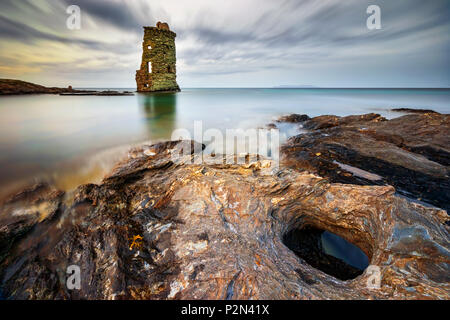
(158, 68)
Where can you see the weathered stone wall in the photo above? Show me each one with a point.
(159, 50)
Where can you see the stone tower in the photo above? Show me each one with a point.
(158, 68)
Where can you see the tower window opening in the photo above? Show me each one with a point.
(149, 67)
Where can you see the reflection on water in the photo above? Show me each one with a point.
(160, 114)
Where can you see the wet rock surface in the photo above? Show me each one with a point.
(411, 153)
(162, 229)
(24, 211)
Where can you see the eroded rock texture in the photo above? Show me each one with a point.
(155, 229)
(158, 67)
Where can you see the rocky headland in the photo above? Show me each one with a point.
(159, 229)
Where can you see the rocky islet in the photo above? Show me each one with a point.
(229, 231)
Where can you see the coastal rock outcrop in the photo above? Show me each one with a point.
(158, 66)
(411, 153)
(162, 229)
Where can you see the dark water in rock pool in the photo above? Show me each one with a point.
(74, 140)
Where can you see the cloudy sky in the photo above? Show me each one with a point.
(233, 43)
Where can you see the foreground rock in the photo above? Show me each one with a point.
(18, 87)
(411, 153)
(158, 229)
